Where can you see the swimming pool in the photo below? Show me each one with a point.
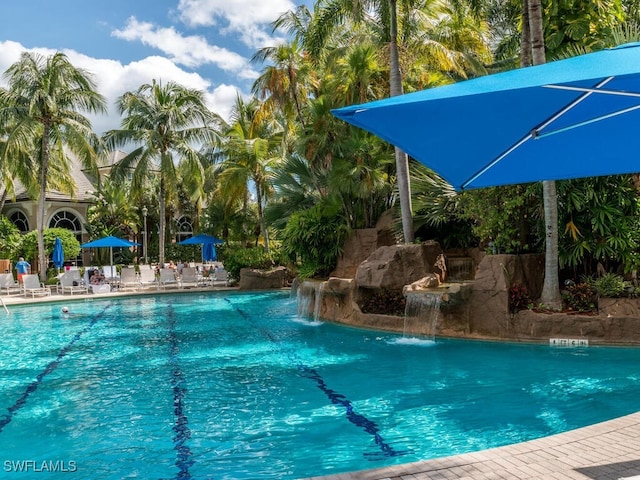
(237, 386)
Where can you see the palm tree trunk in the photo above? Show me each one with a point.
(263, 226)
(402, 161)
(162, 223)
(525, 44)
(551, 287)
(44, 170)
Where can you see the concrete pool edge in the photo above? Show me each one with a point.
(609, 450)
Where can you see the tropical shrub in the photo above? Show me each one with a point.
(314, 238)
(237, 258)
(70, 244)
(610, 285)
(580, 297)
(519, 298)
(10, 239)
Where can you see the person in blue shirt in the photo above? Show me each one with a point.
(22, 267)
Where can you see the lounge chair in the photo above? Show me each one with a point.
(8, 284)
(148, 277)
(189, 277)
(70, 282)
(168, 278)
(220, 275)
(129, 279)
(31, 284)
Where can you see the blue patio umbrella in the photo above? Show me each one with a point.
(207, 242)
(209, 253)
(57, 256)
(570, 118)
(201, 239)
(110, 242)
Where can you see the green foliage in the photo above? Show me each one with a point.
(315, 238)
(509, 217)
(600, 218)
(237, 258)
(384, 302)
(10, 239)
(610, 285)
(580, 297)
(70, 244)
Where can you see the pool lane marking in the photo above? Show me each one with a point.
(181, 427)
(33, 386)
(336, 398)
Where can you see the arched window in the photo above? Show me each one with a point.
(68, 220)
(185, 229)
(21, 221)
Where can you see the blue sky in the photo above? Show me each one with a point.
(204, 44)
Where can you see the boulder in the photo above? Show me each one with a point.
(252, 279)
(362, 243)
(393, 267)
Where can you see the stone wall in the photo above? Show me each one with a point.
(479, 308)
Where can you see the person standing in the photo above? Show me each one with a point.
(22, 267)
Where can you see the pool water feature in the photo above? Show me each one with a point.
(239, 386)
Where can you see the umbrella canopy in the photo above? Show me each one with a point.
(201, 238)
(110, 242)
(565, 119)
(209, 253)
(57, 256)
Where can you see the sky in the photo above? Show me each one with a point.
(203, 44)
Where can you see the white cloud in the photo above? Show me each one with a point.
(249, 18)
(191, 51)
(114, 78)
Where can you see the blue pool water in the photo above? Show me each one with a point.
(237, 386)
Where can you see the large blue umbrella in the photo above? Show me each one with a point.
(201, 239)
(570, 118)
(110, 242)
(209, 253)
(207, 242)
(57, 256)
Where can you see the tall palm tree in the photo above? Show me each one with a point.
(252, 150)
(42, 107)
(166, 124)
(551, 286)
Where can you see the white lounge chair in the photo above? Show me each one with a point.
(70, 282)
(8, 284)
(189, 277)
(168, 278)
(129, 279)
(148, 277)
(220, 275)
(31, 284)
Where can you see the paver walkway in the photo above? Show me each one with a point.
(604, 451)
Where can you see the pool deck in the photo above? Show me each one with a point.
(147, 290)
(604, 451)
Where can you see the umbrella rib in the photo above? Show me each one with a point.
(594, 90)
(588, 122)
(534, 133)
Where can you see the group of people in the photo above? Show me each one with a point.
(96, 277)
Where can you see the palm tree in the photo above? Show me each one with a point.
(252, 150)
(42, 108)
(166, 124)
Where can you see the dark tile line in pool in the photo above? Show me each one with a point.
(336, 398)
(181, 428)
(33, 386)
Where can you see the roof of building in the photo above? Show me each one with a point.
(83, 191)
